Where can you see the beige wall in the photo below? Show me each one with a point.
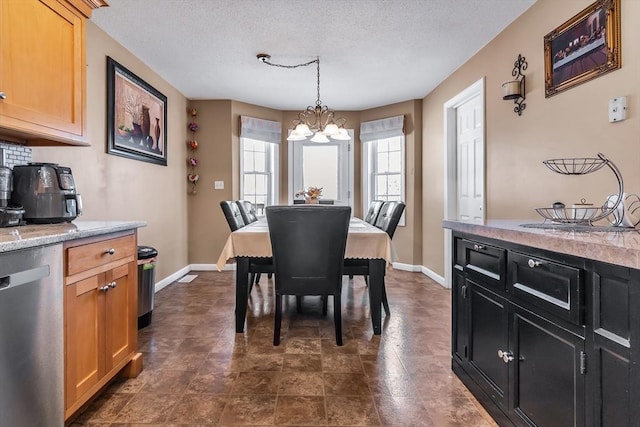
(219, 160)
(406, 240)
(573, 123)
(116, 188)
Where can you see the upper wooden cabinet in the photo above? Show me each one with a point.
(42, 70)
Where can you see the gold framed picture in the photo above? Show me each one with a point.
(585, 47)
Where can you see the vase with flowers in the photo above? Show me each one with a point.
(311, 195)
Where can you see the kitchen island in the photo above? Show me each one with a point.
(68, 294)
(545, 322)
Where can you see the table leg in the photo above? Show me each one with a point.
(376, 277)
(242, 292)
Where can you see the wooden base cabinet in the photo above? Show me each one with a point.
(100, 314)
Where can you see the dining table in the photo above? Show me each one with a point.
(364, 241)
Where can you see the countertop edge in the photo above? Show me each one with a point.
(17, 238)
(619, 248)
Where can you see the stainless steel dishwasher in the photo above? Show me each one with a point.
(31, 338)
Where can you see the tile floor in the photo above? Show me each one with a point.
(198, 371)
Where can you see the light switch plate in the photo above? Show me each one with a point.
(617, 109)
(218, 185)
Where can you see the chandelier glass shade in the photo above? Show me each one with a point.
(318, 121)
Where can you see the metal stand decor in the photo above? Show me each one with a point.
(586, 215)
(515, 89)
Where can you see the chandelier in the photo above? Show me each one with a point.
(319, 120)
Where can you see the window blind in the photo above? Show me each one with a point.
(381, 129)
(262, 130)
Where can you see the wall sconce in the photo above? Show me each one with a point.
(515, 89)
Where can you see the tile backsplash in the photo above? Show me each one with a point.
(12, 154)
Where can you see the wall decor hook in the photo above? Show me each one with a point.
(515, 89)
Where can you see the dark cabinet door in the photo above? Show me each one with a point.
(548, 371)
(488, 334)
(460, 318)
(614, 368)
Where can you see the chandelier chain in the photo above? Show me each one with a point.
(318, 102)
(320, 119)
(266, 59)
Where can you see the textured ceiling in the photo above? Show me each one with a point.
(372, 52)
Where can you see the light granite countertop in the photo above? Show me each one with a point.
(615, 247)
(28, 236)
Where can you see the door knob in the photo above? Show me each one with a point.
(506, 356)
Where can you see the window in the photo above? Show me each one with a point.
(259, 147)
(259, 160)
(388, 172)
(383, 161)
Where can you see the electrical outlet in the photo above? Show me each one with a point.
(218, 185)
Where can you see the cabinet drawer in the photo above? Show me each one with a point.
(485, 263)
(555, 288)
(86, 257)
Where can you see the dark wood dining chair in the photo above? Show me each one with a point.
(308, 246)
(233, 215)
(374, 210)
(248, 211)
(298, 202)
(326, 201)
(387, 220)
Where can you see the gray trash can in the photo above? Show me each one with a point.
(146, 284)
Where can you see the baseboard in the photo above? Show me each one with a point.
(211, 267)
(420, 269)
(171, 278)
(434, 276)
(406, 267)
(230, 267)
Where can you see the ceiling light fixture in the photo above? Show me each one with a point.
(319, 121)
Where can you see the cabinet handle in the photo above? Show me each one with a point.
(110, 251)
(506, 356)
(104, 288)
(113, 285)
(533, 263)
(479, 247)
(3, 95)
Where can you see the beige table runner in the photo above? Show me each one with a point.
(363, 241)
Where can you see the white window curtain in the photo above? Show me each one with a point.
(381, 129)
(262, 130)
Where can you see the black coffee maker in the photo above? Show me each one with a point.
(47, 192)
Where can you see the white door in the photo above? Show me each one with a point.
(328, 165)
(470, 160)
(463, 163)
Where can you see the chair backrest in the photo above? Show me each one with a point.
(232, 214)
(326, 201)
(308, 246)
(298, 201)
(248, 211)
(389, 216)
(374, 210)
